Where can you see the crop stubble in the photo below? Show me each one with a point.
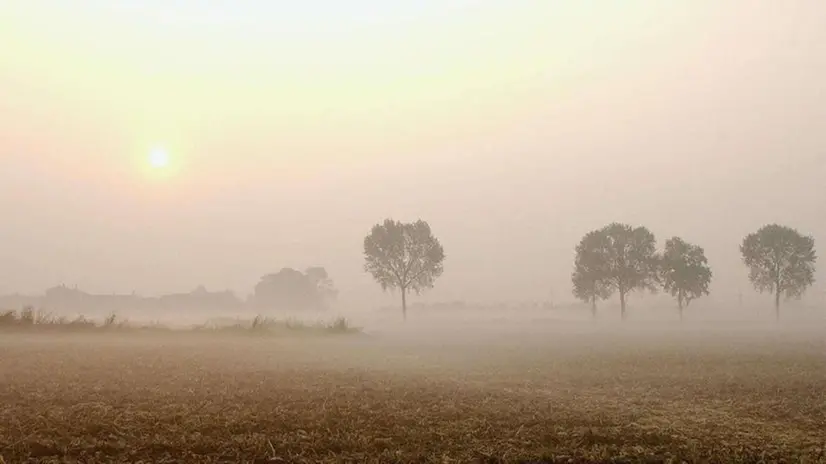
(597, 399)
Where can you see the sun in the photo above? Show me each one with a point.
(159, 158)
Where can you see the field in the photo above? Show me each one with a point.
(582, 394)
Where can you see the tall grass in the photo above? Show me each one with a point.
(266, 325)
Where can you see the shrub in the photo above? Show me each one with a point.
(81, 322)
(109, 322)
(341, 325)
(45, 318)
(27, 316)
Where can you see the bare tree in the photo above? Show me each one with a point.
(406, 256)
(780, 260)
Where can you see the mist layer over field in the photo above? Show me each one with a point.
(553, 391)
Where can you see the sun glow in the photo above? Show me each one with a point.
(159, 158)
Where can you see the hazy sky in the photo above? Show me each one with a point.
(513, 127)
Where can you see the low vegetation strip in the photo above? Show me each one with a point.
(30, 320)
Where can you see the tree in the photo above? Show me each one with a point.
(780, 260)
(404, 256)
(623, 257)
(684, 271)
(590, 276)
(632, 259)
(322, 282)
(289, 289)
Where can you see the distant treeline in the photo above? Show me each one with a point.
(616, 259)
(286, 290)
(619, 258)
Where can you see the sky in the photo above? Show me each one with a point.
(512, 127)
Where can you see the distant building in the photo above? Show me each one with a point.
(200, 299)
(63, 299)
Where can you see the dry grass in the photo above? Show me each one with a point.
(30, 320)
(591, 398)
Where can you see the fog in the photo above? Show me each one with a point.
(202, 202)
(698, 119)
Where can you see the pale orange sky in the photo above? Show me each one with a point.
(512, 127)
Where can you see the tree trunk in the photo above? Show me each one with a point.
(404, 303)
(594, 306)
(622, 303)
(680, 304)
(777, 304)
(777, 293)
